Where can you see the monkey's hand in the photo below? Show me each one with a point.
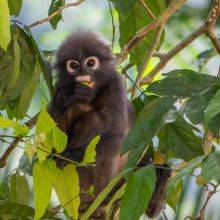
(61, 99)
(83, 93)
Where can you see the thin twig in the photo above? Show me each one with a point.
(202, 211)
(58, 208)
(147, 60)
(171, 9)
(134, 84)
(57, 12)
(207, 27)
(13, 136)
(49, 153)
(147, 9)
(164, 215)
(113, 25)
(3, 160)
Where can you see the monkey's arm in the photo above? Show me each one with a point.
(92, 124)
(70, 103)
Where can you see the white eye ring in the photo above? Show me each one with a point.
(71, 66)
(92, 62)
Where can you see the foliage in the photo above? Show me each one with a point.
(138, 193)
(173, 115)
(4, 25)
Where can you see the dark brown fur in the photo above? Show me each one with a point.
(84, 112)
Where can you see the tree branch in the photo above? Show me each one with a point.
(206, 28)
(57, 12)
(173, 7)
(3, 160)
(165, 58)
(147, 60)
(211, 21)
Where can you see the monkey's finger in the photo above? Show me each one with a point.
(91, 84)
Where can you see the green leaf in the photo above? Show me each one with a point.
(59, 140)
(54, 6)
(4, 189)
(45, 66)
(5, 35)
(17, 57)
(30, 150)
(44, 131)
(17, 68)
(90, 153)
(149, 98)
(100, 198)
(138, 104)
(118, 194)
(42, 177)
(45, 123)
(213, 108)
(211, 167)
(25, 65)
(183, 83)
(138, 193)
(44, 144)
(12, 211)
(196, 162)
(124, 6)
(19, 129)
(135, 155)
(214, 125)
(66, 184)
(91, 190)
(197, 104)
(178, 140)
(27, 94)
(19, 189)
(147, 123)
(174, 193)
(132, 17)
(48, 136)
(14, 7)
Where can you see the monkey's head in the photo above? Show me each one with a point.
(85, 57)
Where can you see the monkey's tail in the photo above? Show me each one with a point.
(158, 199)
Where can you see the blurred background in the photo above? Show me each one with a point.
(94, 15)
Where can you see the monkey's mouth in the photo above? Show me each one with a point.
(87, 80)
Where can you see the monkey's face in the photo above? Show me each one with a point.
(84, 57)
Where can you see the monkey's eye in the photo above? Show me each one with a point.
(72, 66)
(92, 62)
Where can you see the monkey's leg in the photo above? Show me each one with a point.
(158, 199)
